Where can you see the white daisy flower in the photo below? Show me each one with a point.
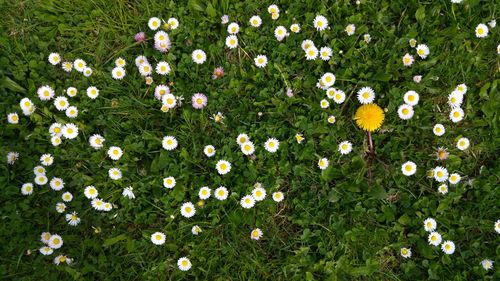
(118, 73)
(114, 152)
(60, 207)
(54, 58)
(462, 88)
(73, 219)
(27, 106)
(204, 193)
(409, 168)
(90, 192)
(405, 111)
(456, 115)
(45, 93)
(223, 167)
(311, 53)
(128, 192)
(339, 96)
(280, 32)
(62, 259)
(96, 141)
(87, 71)
(232, 41)
(328, 79)
(443, 189)
(173, 23)
(140, 60)
(331, 119)
(366, 95)
(438, 130)
(41, 179)
(221, 193)
(408, 60)
(71, 112)
(306, 44)
(272, 145)
(67, 66)
(417, 78)
(324, 104)
(247, 148)
(169, 143)
(79, 65)
(487, 264)
(71, 92)
(115, 173)
(120, 62)
(455, 99)
(145, 69)
(184, 264)
(27, 189)
(256, 234)
(320, 23)
(45, 237)
(188, 210)
(46, 159)
(169, 100)
(350, 29)
(13, 118)
(440, 174)
(242, 138)
(273, 9)
(107, 206)
(260, 61)
(92, 92)
(422, 51)
(199, 56)
(367, 38)
(163, 68)
(259, 193)
(463, 143)
(46, 251)
(454, 178)
(39, 170)
(233, 28)
(295, 28)
(405, 252)
(325, 53)
(430, 224)
(70, 131)
(169, 182)
(61, 103)
(195, 230)
(97, 204)
(497, 226)
(323, 163)
(247, 202)
(448, 247)
(345, 147)
(56, 184)
(158, 238)
(209, 150)
(411, 98)
(67, 197)
(481, 30)
(154, 23)
(255, 21)
(55, 241)
(278, 196)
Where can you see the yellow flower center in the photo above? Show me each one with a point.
(439, 174)
(188, 209)
(223, 166)
(456, 114)
(70, 131)
(408, 168)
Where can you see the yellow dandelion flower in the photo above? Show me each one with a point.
(369, 117)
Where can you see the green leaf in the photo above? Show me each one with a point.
(111, 241)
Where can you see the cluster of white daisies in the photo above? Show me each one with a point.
(78, 64)
(53, 242)
(422, 51)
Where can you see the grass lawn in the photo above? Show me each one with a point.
(329, 212)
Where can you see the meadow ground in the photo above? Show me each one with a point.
(351, 220)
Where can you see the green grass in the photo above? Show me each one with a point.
(333, 225)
